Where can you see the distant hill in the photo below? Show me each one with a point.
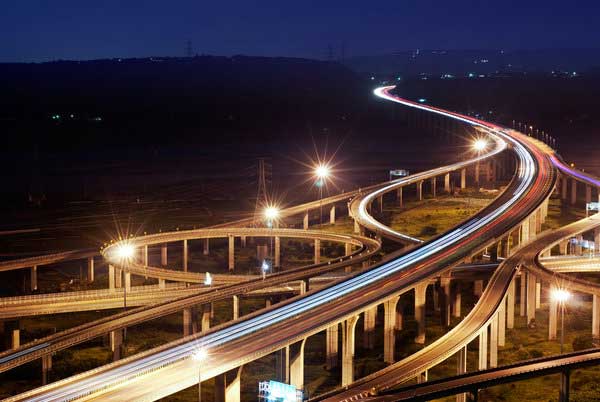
(463, 62)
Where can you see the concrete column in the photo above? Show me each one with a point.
(494, 342)
(243, 241)
(357, 228)
(304, 286)
(563, 393)
(296, 359)
(552, 319)
(347, 248)
(111, 277)
(510, 305)
(532, 226)
(463, 178)
(380, 203)
(477, 174)
(268, 302)
(563, 247)
(483, 344)
(461, 368)
(389, 329)
(305, 221)
(597, 239)
(206, 249)
(118, 277)
(369, 320)
(525, 232)
(163, 255)
(447, 188)
(90, 269)
(331, 354)
(502, 323)
(162, 284)
(317, 251)
(34, 283)
(420, 298)
(236, 307)
(277, 251)
(445, 307)
(206, 315)
(46, 368)
(400, 316)
(127, 285)
(422, 377)
(420, 190)
(478, 287)
(400, 198)
(185, 255)
(348, 343)
(457, 301)
(187, 321)
(228, 386)
(523, 294)
(530, 297)
(116, 343)
(578, 247)
(563, 188)
(145, 255)
(596, 317)
(573, 191)
(12, 329)
(433, 186)
(332, 215)
(282, 365)
(231, 254)
(538, 295)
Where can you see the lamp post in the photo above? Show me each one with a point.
(322, 173)
(199, 356)
(479, 145)
(271, 214)
(125, 253)
(561, 296)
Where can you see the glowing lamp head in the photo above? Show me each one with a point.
(265, 266)
(125, 251)
(561, 295)
(480, 144)
(208, 279)
(271, 213)
(322, 171)
(200, 355)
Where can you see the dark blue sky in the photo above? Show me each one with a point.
(82, 29)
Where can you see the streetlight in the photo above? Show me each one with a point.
(271, 214)
(208, 279)
(264, 268)
(561, 296)
(480, 144)
(199, 356)
(322, 172)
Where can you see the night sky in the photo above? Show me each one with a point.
(75, 29)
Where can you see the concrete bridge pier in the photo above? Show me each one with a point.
(317, 248)
(389, 329)
(282, 365)
(563, 188)
(538, 295)
(228, 386)
(463, 178)
(420, 298)
(46, 368)
(400, 315)
(573, 191)
(12, 333)
(433, 186)
(348, 344)
(553, 318)
(296, 359)
(305, 221)
(597, 237)
(331, 346)
(207, 313)
(163, 255)
(565, 379)
(236, 307)
(185, 255)
(423, 377)
(478, 287)
(447, 188)
(304, 286)
(444, 301)
(118, 277)
(477, 168)
(332, 215)
(206, 249)
(347, 248)
(277, 252)
(510, 304)
(399, 197)
(563, 247)
(531, 296)
(162, 283)
(502, 323)
(369, 320)
(494, 342)
(596, 317)
(522, 293)
(190, 321)
(420, 190)
(380, 203)
(243, 241)
(90, 269)
(116, 343)
(483, 346)
(231, 252)
(457, 300)
(461, 368)
(34, 281)
(111, 277)
(144, 257)
(127, 280)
